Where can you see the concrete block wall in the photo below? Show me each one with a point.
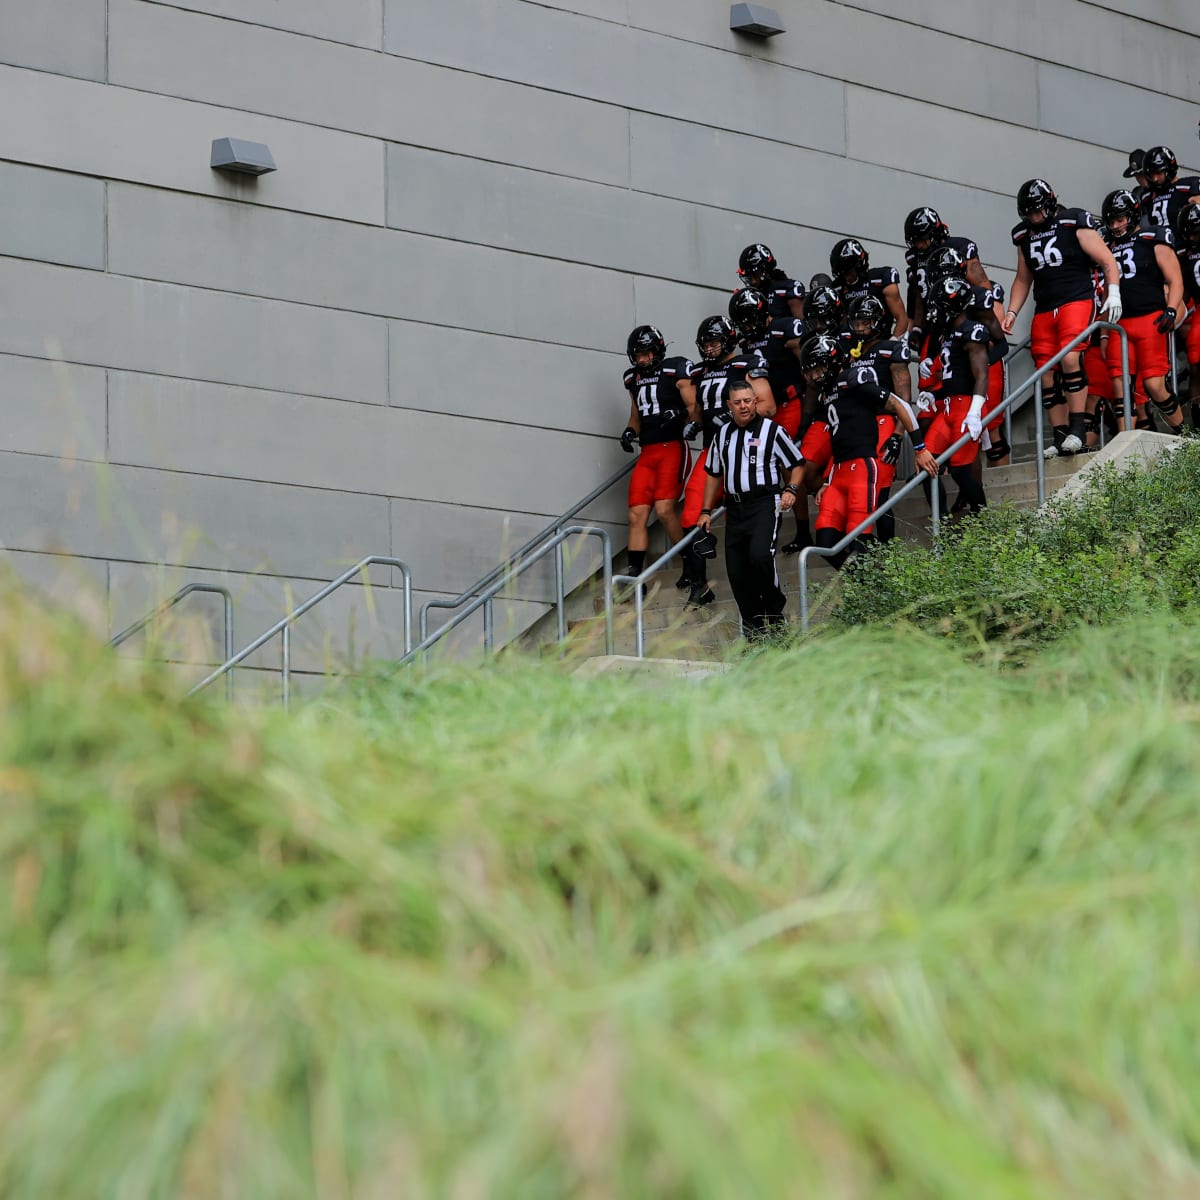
(408, 340)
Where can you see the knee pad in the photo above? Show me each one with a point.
(1051, 395)
(1143, 423)
(1169, 405)
(1074, 381)
(1091, 422)
(998, 450)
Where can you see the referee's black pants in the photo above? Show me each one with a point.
(751, 530)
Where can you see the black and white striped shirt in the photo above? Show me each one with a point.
(752, 460)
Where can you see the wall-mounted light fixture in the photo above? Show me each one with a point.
(757, 20)
(242, 158)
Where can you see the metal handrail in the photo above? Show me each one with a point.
(156, 612)
(484, 600)
(1032, 386)
(500, 571)
(284, 626)
(639, 635)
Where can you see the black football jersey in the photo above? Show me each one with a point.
(1189, 264)
(1062, 270)
(1161, 208)
(712, 380)
(661, 408)
(917, 273)
(783, 366)
(883, 355)
(1142, 280)
(852, 411)
(780, 291)
(957, 377)
(873, 283)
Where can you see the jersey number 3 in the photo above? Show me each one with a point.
(1127, 262)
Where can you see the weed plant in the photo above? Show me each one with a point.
(1127, 546)
(863, 917)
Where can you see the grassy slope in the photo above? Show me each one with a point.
(807, 930)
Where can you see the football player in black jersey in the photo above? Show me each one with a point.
(662, 402)
(869, 344)
(758, 269)
(854, 278)
(1056, 250)
(1187, 234)
(777, 339)
(1152, 295)
(721, 364)
(1165, 193)
(854, 398)
(963, 408)
(925, 233)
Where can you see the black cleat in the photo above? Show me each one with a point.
(683, 581)
(700, 595)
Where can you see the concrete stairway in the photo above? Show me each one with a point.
(673, 630)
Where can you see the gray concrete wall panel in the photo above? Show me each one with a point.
(623, 66)
(505, 379)
(829, 38)
(116, 133)
(153, 516)
(1076, 34)
(52, 408)
(64, 36)
(109, 320)
(299, 258)
(1071, 104)
(78, 585)
(358, 22)
(52, 216)
(1176, 15)
(266, 71)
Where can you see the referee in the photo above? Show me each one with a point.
(752, 455)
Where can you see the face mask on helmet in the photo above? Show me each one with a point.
(868, 317)
(849, 259)
(819, 358)
(822, 310)
(1160, 167)
(946, 261)
(749, 312)
(756, 263)
(1187, 226)
(924, 229)
(646, 340)
(1036, 202)
(715, 338)
(1119, 212)
(953, 296)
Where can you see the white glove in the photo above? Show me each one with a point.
(926, 402)
(925, 370)
(1110, 310)
(973, 424)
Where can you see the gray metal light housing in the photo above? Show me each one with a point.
(757, 20)
(243, 158)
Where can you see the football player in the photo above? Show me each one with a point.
(1056, 249)
(1165, 193)
(1152, 296)
(1187, 229)
(662, 401)
(758, 269)
(854, 278)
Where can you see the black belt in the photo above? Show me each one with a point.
(751, 497)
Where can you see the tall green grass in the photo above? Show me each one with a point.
(860, 918)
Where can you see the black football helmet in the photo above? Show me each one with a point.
(750, 312)
(946, 260)
(1036, 195)
(756, 264)
(849, 257)
(646, 337)
(952, 295)
(715, 329)
(821, 358)
(869, 316)
(820, 280)
(924, 224)
(822, 310)
(1160, 158)
(1187, 226)
(1117, 204)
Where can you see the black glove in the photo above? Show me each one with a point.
(890, 451)
(1166, 320)
(719, 419)
(629, 439)
(690, 430)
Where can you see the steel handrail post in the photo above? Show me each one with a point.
(513, 559)
(427, 643)
(312, 601)
(648, 572)
(610, 637)
(1039, 431)
(560, 584)
(286, 664)
(1174, 364)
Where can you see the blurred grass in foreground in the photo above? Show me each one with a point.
(807, 930)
